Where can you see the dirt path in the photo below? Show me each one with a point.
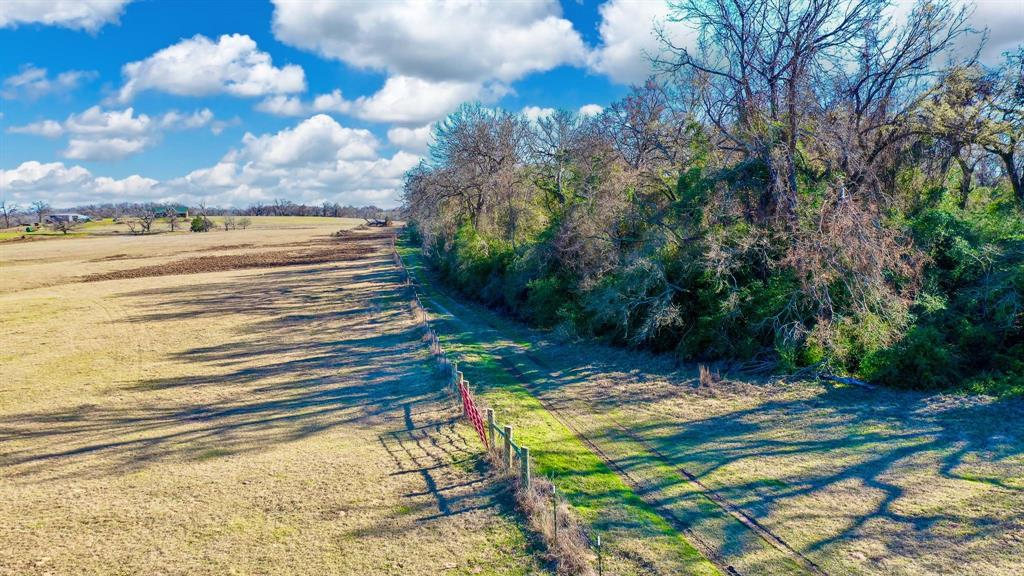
(263, 421)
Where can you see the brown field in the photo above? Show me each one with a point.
(245, 402)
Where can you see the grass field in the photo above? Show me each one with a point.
(765, 476)
(245, 421)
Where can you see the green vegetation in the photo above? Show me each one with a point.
(832, 230)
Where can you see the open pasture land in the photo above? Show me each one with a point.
(273, 412)
(765, 476)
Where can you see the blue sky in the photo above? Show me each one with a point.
(247, 101)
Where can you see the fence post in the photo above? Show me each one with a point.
(490, 427)
(600, 559)
(461, 382)
(508, 446)
(524, 466)
(554, 514)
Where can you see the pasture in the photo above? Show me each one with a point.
(271, 413)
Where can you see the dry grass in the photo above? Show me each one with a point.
(258, 421)
(860, 482)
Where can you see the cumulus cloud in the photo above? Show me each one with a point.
(98, 134)
(628, 39)
(404, 100)
(535, 113)
(316, 160)
(1001, 20)
(437, 54)
(199, 66)
(32, 83)
(415, 140)
(282, 105)
(62, 185)
(590, 110)
(45, 128)
(88, 15)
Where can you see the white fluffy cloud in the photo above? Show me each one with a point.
(628, 38)
(199, 66)
(89, 15)
(317, 160)
(32, 82)
(62, 185)
(590, 109)
(98, 134)
(535, 113)
(415, 140)
(438, 40)
(438, 54)
(404, 100)
(282, 105)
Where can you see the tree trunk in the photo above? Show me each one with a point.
(1015, 176)
(967, 174)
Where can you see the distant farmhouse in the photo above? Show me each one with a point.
(67, 217)
(178, 211)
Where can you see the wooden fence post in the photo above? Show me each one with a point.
(490, 427)
(524, 466)
(508, 446)
(554, 515)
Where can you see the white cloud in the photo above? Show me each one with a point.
(534, 113)
(415, 140)
(590, 109)
(199, 66)
(437, 54)
(628, 38)
(410, 100)
(45, 128)
(282, 105)
(317, 160)
(465, 41)
(1003, 20)
(89, 15)
(32, 82)
(317, 139)
(65, 186)
(98, 134)
(104, 148)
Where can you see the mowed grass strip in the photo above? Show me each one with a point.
(637, 539)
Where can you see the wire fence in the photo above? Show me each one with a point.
(554, 522)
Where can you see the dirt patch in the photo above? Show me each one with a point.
(203, 264)
(225, 247)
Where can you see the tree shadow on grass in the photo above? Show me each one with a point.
(315, 348)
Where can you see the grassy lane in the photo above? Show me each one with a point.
(802, 477)
(638, 538)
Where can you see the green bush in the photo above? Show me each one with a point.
(201, 224)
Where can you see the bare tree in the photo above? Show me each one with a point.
(172, 218)
(229, 222)
(40, 208)
(10, 210)
(244, 222)
(64, 225)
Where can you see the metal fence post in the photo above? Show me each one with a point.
(490, 426)
(524, 466)
(600, 558)
(508, 447)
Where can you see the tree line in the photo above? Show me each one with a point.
(813, 187)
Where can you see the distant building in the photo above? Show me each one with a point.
(67, 217)
(179, 211)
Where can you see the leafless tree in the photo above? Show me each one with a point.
(40, 208)
(64, 225)
(229, 222)
(172, 218)
(9, 210)
(244, 222)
